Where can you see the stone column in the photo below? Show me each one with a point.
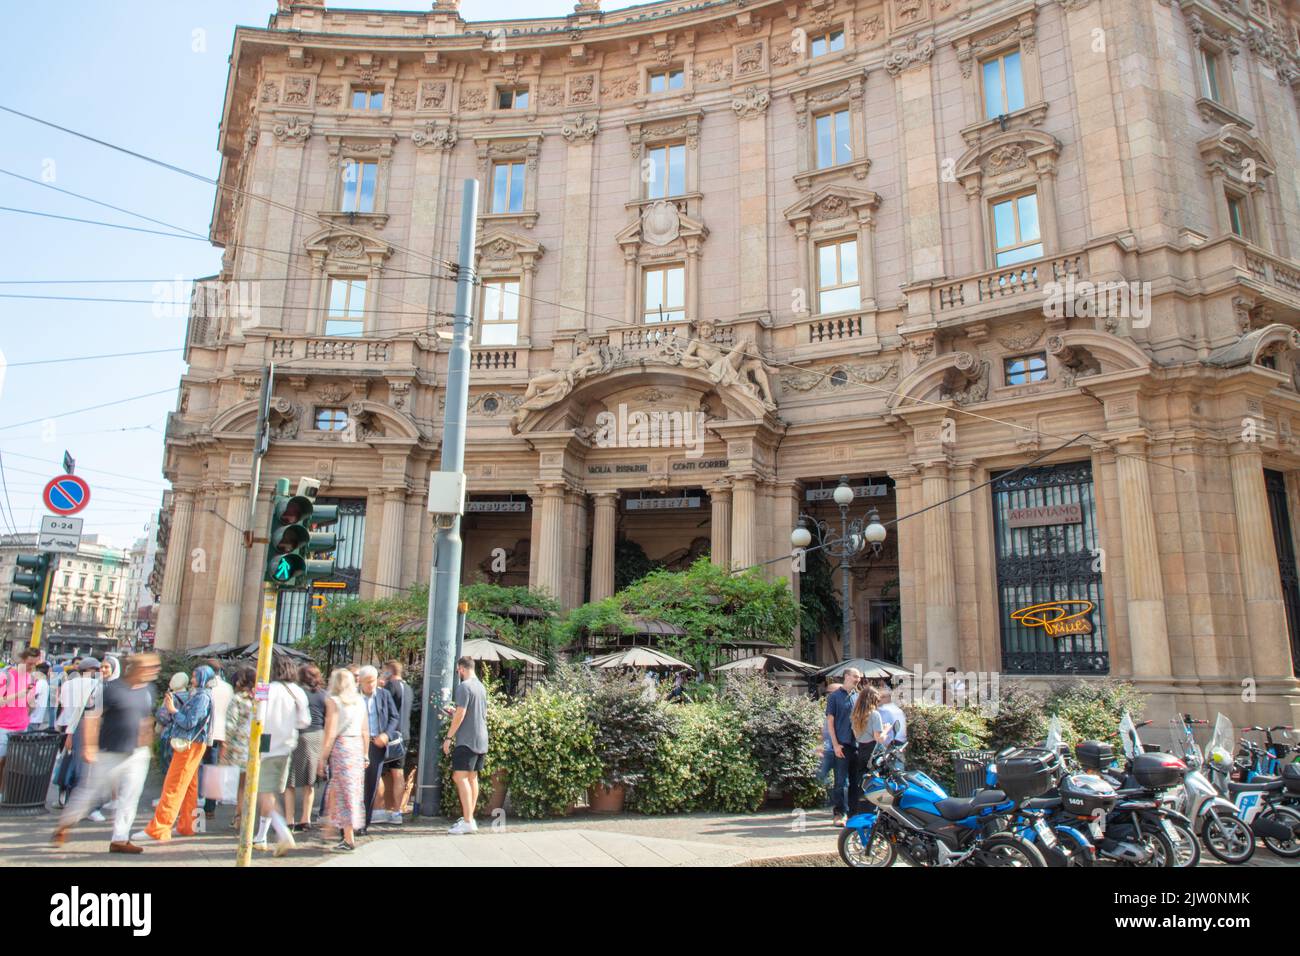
(939, 572)
(975, 227)
(574, 276)
(1148, 630)
(918, 136)
(230, 575)
(720, 523)
(751, 160)
(178, 556)
(550, 553)
(742, 522)
(388, 575)
(604, 531)
(1261, 582)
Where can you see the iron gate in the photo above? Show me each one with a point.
(1275, 483)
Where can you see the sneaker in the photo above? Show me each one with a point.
(395, 818)
(263, 847)
(109, 807)
(95, 816)
(343, 846)
(473, 826)
(284, 846)
(142, 836)
(460, 826)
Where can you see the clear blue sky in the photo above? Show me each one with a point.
(149, 76)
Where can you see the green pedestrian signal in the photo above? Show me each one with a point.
(33, 573)
(292, 542)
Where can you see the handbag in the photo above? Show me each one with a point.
(396, 749)
(219, 782)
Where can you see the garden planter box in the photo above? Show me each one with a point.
(604, 799)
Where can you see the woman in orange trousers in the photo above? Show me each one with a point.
(180, 795)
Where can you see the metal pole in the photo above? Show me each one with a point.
(38, 620)
(269, 596)
(444, 583)
(844, 579)
(260, 444)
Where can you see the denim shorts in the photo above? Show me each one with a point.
(4, 740)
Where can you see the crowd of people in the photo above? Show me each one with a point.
(332, 753)
(860, 716)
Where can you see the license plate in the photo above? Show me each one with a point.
(1045, 833)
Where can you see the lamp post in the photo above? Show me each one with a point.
(853, 537)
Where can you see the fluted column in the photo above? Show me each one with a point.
(550, 555)
(230, 575)
(1148, 631)
(742, 523)
(1261, 583)
(940, 572)
(178, 556)
(720, 524)
(388, 577)
(603, 533)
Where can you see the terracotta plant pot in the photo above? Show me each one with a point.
(498, 799)
(605, 799)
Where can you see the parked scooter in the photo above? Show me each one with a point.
(1198, 799)
(1259, 804)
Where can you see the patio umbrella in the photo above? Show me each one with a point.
(646, 657)
(871, 669)
(767, 663)
(482, 649)
(251, 650)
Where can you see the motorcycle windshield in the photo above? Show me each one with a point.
(1183, 743)
(1053, 741)
(1222, 741)
(1128, 736)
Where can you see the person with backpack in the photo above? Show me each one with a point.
(189, 740)
(394, 775)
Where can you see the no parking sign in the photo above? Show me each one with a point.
(66, 494)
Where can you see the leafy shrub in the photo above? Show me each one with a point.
(783, 733)
(1091, 710)
(934, 731)
(628, 730)
(1020, 718)
(547, 747)
(703, 763)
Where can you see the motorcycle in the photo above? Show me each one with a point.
(912, 814)
(1198, 799)
(1260, 804)
(1270, 759)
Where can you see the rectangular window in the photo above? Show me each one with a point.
(837, 276)
(664, 295)
(665, 172)
(1015, 230)
(1050, 602)
(359, 178)
(1024, 369)
(331, 419)
(512, 99)
(368, 100)
(81, 584)
(1239, 217)
(1210, 75)
(827, 43)
(1004, 86)
(666, 80)
(347, 307)
(834, 143)
(508, 187)
(500, 324)
(98, 582)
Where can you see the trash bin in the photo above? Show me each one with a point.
(29, 763)
(968, 770)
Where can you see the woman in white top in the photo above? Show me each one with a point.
(347, 733)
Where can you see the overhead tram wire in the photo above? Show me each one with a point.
(611, 323)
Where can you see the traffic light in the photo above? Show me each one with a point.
(292, 542)
(35, 579)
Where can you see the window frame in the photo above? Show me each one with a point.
(1013, 198)
(370, 92)
(1030, 370)
(826, 35)
(832, 113)
(838, 244)
(333, 411)
(328, 315)
(518, 169)
(485, 322)
(348, 162)
(667, 73)
(1000, 57)
(663, 269)
(513, 91)
(1241, 203)
(667, 146)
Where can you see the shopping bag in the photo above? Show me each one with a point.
(219, 783)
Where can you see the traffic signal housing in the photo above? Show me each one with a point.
(33, 573)
(292, 542)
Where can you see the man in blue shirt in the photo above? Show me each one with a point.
(839, 728)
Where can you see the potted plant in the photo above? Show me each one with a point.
(628, 730)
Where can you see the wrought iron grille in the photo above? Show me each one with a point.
(1275, 483)
(1056, 562)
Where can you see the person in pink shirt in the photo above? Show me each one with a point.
(17, 693)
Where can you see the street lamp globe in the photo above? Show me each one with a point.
(800, 537)
(843, 494)
(875, 531)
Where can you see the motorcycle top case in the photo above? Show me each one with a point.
(1094, 754)
(1026, 772)
(1158, 771)
(1083, 794)
(1291, 777)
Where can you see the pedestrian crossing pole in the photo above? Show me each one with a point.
(38, 621)
(269, 600)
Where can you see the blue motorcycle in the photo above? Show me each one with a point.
(912, 814)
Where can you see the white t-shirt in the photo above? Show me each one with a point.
(286, 713)
(222, 693)
(883, 717)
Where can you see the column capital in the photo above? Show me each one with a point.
(551, 489)
(605, 498)
(1246, 449)
(720, 489)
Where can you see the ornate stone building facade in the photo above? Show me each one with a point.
(1043, 256)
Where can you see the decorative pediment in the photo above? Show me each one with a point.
(1017, 153)
(1239, 155)
(343, 246)
(1100, 352)
(665, 228)
(500, 250)
(1251, 347)
(833, 206)
(959, 377)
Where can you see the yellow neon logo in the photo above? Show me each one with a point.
(1056, 617)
